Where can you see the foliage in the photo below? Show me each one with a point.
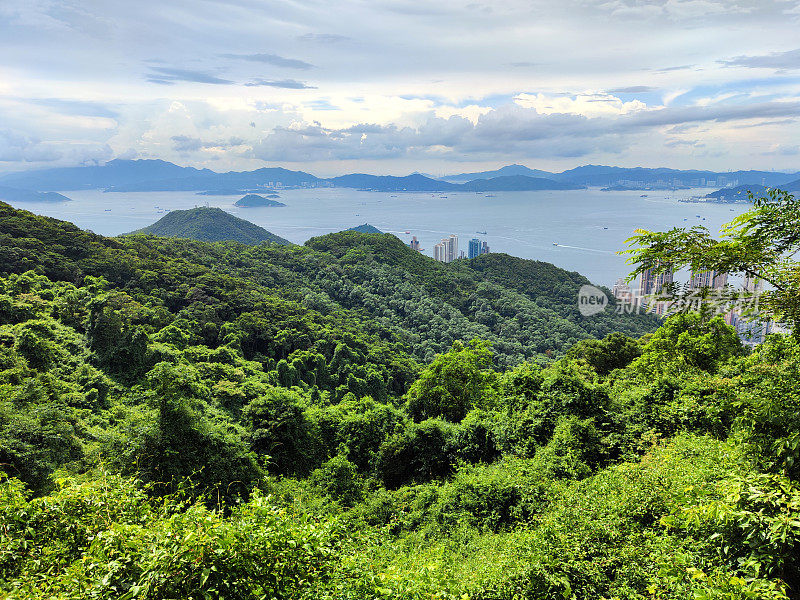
(759, 244)
(353, 420)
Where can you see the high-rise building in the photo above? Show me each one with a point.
(414, 244)
(621, 290)
(485, 248)
(474, 248)
(651, 282)
(440, 252)
(452, 247)
(709, 279)
(447, 249)
(753, 284)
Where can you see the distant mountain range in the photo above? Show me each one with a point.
(158, 175)
(421, 183)
(210, 225)
(740, 192)
(508, 170)
(605, 176)
(8, 194)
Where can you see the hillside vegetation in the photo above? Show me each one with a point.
(208, 224)
(351, 420)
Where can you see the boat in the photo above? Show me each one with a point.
(605, 227)
(481, 232)
(555, 243)
(408, 232)
(643, 196)
(108, 210)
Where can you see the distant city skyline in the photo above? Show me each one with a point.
(397, 86)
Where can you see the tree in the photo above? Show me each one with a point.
(453, 383)
(761, 243)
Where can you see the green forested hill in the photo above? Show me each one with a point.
(351, 420)
(210, 225)
(365, 228)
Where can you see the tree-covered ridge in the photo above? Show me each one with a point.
(382, 285)
(208, 224)
(190, 420)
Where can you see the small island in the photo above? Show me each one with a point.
(254, 200)
(365, 228)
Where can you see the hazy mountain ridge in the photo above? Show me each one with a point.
(158, 175)
(501, 172)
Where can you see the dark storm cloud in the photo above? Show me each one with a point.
(288, 84)
(168, 75)
(777, 60)
(273, 59)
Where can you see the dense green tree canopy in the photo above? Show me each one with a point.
(352, 420)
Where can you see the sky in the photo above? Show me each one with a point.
(395, 86)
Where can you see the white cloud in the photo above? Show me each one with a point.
(394, 83)
(588, 104)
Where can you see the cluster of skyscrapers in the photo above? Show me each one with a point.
(477, 247)
(751, 329)
(447, 250)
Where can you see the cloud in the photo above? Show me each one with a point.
(184, 143)
(634, 89)
(675, 68)
(168, 76)
(273, 59)
(783, 150)
(511, 130)
(289, 84)
(322, 38)
(784, 61)
(69, 106)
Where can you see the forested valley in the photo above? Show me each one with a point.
(349, 419)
